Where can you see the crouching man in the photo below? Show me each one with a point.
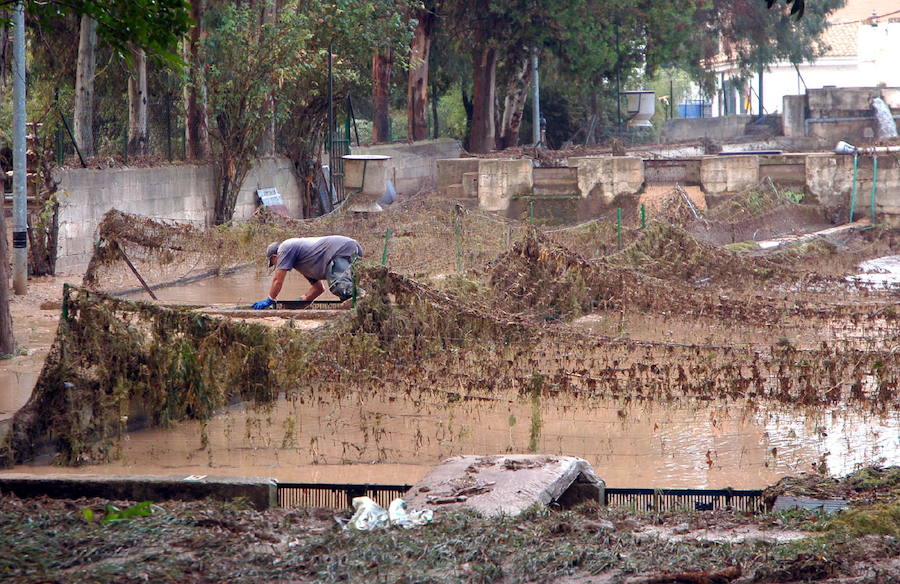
(319, 259)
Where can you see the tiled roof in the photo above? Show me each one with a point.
(859, 10)
(840, 40)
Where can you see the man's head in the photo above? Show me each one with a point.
(272, 252)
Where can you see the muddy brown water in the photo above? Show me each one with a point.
(381, 436)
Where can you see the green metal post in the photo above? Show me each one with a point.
(65, 302)
(458, 230)
(853, 188)
(643, 216)
(353, 277)
(387, 238)
(347, 133)
(531, 211)
(619, 226)
(874, 187)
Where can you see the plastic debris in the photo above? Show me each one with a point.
(400, 515)
(369, 515)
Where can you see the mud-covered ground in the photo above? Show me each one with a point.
(47, 541)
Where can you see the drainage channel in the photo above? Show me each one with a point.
(340, 496)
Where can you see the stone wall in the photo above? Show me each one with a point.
(179, 192)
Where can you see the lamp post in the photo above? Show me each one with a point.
(20, 203)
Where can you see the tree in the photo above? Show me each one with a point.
(246, 63)
(753, 36)
(137, 104)
(83, 119)
(196, 130)
(382, 65)
(7, 340)
(417, 80)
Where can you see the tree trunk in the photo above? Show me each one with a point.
(514, 103)
(434, 114)
(7, 341)
(267, 140)
(137, 104)
(382, 62)
(417, 84)
(197, 123)
(484, 72)
(84, 86)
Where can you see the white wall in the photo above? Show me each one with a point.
(876, 64)
(179, 192)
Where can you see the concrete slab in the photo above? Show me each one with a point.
(262, 493)
(506, 484)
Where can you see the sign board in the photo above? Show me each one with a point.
(272, 199)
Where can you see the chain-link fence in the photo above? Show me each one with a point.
(165, 134)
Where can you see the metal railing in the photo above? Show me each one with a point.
(339, 496)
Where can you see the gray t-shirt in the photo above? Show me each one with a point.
(311, 255)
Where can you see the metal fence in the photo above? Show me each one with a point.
(335, 496)
(339, 496)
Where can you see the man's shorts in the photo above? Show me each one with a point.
(340, 277)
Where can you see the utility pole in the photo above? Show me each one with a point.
(536, 105)
(20, 203)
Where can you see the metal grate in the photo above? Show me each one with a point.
(335, 496)
(339, 496)
(680, 499)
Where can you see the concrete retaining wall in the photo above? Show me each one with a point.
(180, 192)
(413, 167)
(501, 180)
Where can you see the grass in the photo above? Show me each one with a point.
(49, 540)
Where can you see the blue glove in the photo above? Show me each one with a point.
(263, 304)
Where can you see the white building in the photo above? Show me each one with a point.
(863, 42)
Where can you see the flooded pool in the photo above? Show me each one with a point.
(388, 435)
(386, 438)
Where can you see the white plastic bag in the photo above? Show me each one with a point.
(369, 515)
(402, 517)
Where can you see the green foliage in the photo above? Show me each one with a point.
(113, 514)
(154, 25)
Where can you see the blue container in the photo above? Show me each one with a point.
(696, 109)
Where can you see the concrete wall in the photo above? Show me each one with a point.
(829, 178)
(607, 177)
(721, 175)
(451, 171)
(500, 180)
(413, 167)
(721, 128)
(180, 192)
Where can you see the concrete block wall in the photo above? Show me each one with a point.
(179, 192)
(413, 167)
